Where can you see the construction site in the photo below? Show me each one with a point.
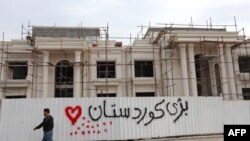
(172, 60)
(169, 60)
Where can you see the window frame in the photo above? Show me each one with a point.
(106, 95)
(16, 97)
(144, 74)
(101, 69)
(245, 93)
(12, 65)
(244, 66)
(147, 94)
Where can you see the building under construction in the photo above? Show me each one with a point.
(167, 61)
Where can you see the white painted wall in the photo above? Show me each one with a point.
(201, 116)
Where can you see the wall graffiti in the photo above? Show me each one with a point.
(121, 118)
(178, 108)
(109, 111)
(87, 126)
(73, 113)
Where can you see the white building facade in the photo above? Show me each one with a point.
(59, 62)
(180, 62)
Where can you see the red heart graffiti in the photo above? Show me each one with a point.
(73, 113)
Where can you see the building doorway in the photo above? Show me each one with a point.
(202, 76)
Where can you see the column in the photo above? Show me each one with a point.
(184, 69)
(77, 74)
(30, 78)
(85, 74)
(163, 65)
(230, 69)
(3, 61)
(45, 73)
(223, 72)
(192, 72)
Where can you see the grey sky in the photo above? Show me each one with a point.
(122, 15)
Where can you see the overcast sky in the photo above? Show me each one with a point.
(122, 15)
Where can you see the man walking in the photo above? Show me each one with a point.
(47, 125)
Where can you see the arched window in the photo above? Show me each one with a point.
(64, 79)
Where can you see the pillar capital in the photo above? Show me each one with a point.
(190, 45)
(45, 53)
(182, 45)
(221, 45)
(228, 45)
(78, 53)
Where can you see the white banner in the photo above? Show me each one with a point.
(81, 119)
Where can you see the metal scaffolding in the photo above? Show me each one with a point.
(165, 52)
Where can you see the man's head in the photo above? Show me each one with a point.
(46, 111)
